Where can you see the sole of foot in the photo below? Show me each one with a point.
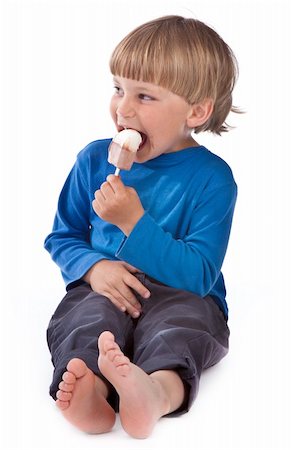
(82, 399)
(142, 399)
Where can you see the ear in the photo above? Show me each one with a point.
(200, 113)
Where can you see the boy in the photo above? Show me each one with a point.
(141, 254)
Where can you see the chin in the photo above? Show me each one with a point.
(141, 156)
(140, 160)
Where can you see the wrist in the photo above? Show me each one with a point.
(88, 274)
(129, 225)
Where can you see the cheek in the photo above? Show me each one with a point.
(155, 125)
(112, 109)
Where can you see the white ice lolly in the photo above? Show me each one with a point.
(123, 148)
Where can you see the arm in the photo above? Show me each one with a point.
(70, 247)
(69, 242)
(193, 262)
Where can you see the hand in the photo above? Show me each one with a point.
(118, 204)
(115, 280)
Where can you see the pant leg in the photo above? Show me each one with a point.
(74, 329)
(179, 331)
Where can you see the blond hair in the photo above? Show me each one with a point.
(184, 56)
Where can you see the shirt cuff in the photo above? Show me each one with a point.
(137, 239)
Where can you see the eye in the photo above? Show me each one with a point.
(118, 90)
(146, 97)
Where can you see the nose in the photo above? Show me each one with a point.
(125, 108)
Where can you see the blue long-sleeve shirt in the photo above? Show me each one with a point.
(181, 240)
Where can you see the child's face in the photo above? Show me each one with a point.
(157, 113)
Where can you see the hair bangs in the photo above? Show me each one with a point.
(184, 56)
(146, 57)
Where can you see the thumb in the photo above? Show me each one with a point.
(115, 182)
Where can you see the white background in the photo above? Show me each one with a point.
(56, 88)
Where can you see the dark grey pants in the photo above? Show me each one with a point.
(177, 330)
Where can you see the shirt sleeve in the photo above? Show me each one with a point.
(69, 242)
(194, 262)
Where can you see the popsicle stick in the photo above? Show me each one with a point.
(116, 173)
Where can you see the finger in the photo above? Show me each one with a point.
(131, 281)
(131, 268)
(125, 297)
(115, 183)
(106, 189)
(113, 298)
(97, 204)
(98, 195)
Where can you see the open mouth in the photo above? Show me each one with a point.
(144, 139)
(143, 136)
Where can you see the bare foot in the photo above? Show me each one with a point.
(82, 399)
(142, 399)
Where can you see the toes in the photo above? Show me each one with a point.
(106, 335)
(109, 348)
(69, 378)
(110, 345)
(121, 360)
(62, 405)
(113, 354)
(117, 358)
(64, 396)
(123, 370)
(66, 387)
(77, 367)
(106, 341)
